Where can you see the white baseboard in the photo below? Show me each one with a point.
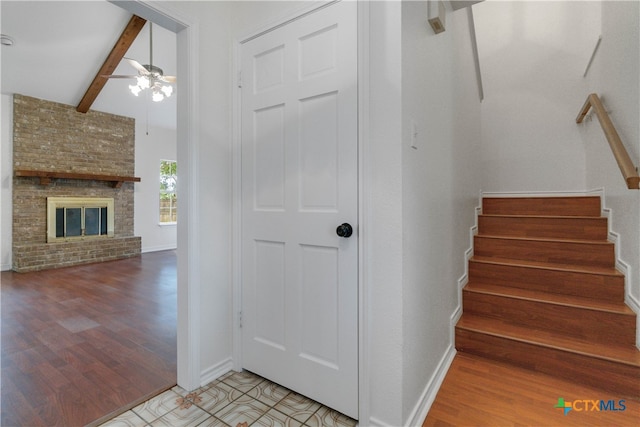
(374, 422)
(216, 371)
(159, 248)
(428, 396)
(5, 267)
(621, 265)
(464, 279)
(633, 303)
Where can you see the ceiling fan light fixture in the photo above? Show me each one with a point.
(135, 89)
(150, 77)
(143, 82)
(157, 96)
(167, 90)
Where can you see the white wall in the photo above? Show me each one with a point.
(420, 202)
(6, 180)
(615, 77)
(440, 188)
(384, 229)
(211, 187)
(533, 56)
(158, 144)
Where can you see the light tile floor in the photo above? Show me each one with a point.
(230, 401)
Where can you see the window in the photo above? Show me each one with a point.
(168, 197)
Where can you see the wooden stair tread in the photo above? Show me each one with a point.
(544, 226)
(545, 239)
(627, 355)
(543, 216)
(588, 269)
(555, 250)
(560, 205)
(550, 298)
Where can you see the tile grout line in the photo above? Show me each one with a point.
(185, 399)
(270, 407)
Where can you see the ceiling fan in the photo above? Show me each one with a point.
(149, 76)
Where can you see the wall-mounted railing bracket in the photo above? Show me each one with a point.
(628, 169)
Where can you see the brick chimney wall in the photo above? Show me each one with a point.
(49, 136)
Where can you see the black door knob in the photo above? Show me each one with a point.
(345, 230)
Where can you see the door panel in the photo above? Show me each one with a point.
(269, 152)
(270, 313)
(299, 182)
(319, 273)
(319, 152)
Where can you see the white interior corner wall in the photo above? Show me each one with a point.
(614, 75)
(6, 182)
(533, 56)
(151, 147)
(204, 238)
(383, 176)
(440, 187)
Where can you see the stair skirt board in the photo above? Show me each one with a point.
(526, 279)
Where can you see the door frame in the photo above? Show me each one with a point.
(188, 250)
(363, 192)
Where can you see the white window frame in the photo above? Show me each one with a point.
(160, 192)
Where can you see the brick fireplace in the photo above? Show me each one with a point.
(50, 137)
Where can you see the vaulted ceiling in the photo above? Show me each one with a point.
(60, 46)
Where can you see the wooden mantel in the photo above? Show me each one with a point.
(46, 177)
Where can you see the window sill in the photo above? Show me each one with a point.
(166, 224)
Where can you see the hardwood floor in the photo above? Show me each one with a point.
(82, 342)
(480, 392)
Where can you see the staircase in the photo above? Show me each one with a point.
(544, 294)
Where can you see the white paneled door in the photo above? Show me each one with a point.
(299, 186)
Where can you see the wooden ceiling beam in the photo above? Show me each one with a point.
(123, 44)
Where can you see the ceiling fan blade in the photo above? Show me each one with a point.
(137, 66)
(119, 76)
(169, 79)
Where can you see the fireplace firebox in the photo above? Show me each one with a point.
(72, 218)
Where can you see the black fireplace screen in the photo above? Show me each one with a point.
(83, 221)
